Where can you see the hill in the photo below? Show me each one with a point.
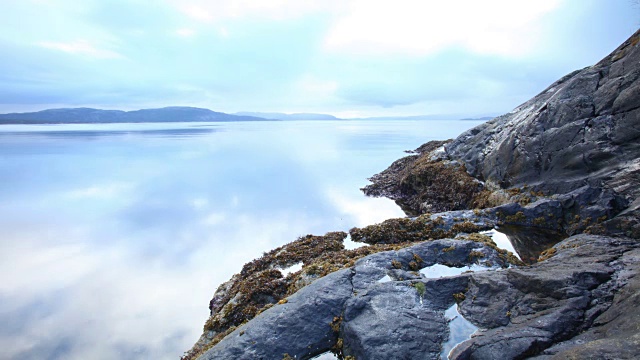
(88, 116)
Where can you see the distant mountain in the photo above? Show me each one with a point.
(425, 117)
(283, 116)
(87, 115)
(413, 117)
(180, 114)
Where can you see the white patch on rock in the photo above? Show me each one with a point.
(325, 356)
(291, 269)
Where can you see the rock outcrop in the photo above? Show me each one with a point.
(333, 313)
(559, 175)
(582, 132)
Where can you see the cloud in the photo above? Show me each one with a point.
(81, 47)
(105, 191)
(315, 87)
(347, 56)
(221, 10)
(215, 218)
(420, 28)
(185, 32)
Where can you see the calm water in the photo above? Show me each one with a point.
(114, 237)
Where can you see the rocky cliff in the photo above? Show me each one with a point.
(559, 175)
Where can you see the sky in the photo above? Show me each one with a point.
(349, 58)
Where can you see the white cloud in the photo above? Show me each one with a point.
(315, 87)
(215, 218)
(200, 203)
(185, 32)
(216, 10)
(224, 32)
(81, 47)
(103, 191)
(418, 27)
(235, 201)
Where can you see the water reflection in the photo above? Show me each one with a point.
(460, 330)
(91, 134)
(438, 270)
(529, 242)
(112, 248)
(501, 240)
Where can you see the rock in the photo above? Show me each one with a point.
(425, 183)
(301, 327)
(525, 311)
(388, 322)
(424, 227)
(584, 130)
(393, 320)
(309, 322)
(615, 332)
(566, 162)
(521, 311)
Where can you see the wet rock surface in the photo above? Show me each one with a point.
(336, 312)
(301, 327)
(545, 309)
(559, 175)
(524, 311)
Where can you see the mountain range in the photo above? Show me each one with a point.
(88, 115)
(283, 116)
(179, 114)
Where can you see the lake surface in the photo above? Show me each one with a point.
(114, 237)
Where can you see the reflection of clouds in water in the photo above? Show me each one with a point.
(113, 248)
(118, 307)
(363, 211)
(116, 302)
(92, 134)
(42, 267)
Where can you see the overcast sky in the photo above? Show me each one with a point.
(344, 57)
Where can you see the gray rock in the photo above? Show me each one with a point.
(454, 253)
(615, 332)
(582, 130)
(525, 311)
(575, 303)
(388, 322)
(301, 327)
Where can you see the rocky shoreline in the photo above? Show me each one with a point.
(559, 175)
